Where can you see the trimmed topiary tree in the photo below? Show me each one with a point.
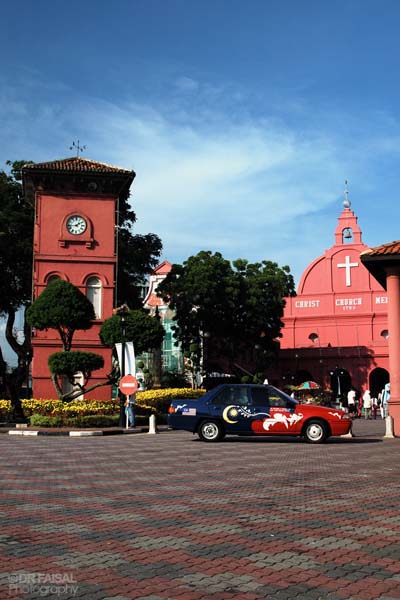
(68, 364)
(63, 307)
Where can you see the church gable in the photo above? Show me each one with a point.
(334, 289)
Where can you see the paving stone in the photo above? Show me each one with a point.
(167, 517)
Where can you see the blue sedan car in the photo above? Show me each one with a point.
(260, 410)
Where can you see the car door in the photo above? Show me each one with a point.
(232, 404)
(279, 410)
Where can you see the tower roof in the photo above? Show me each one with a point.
(77, 175)
(76, 164)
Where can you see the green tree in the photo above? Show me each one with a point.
(16, 237)
(260, 291)
(67, 365)
(144, 331)
(138, 255)
(228, 310)
(63, 307)
(201, 292)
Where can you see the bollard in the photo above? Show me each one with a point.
(152, 424)
(389, 427)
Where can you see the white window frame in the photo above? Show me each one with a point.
(94, 293)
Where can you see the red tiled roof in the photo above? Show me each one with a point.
(379, 259)
(83, 165)
(163, 268)
(391, 248)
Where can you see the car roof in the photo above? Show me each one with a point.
(252, 385)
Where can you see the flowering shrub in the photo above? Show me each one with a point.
(5, 410)
(147, 402)
(159, 400)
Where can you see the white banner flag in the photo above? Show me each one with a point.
(130, 365)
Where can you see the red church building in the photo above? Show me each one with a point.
(336, 328)
(75, 239)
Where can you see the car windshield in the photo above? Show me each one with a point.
(273, 391)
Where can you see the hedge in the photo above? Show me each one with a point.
(147, 403)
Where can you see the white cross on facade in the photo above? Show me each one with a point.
(347, 265)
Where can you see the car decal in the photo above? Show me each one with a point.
(232, 413)
(335, 414)
(278, 417)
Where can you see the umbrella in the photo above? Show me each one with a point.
(308, 385)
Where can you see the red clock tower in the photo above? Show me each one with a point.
(75, 239)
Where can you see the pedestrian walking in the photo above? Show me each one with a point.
(367, 404)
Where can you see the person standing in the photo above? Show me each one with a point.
(129, 407)
(379, 402)
(367, 404)
(351, 401)
(375, 407)
(385, 400)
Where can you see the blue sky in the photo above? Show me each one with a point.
(241, 119)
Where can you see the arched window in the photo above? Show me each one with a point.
(52, 278)
(93, 293)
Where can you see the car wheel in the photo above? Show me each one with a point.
(315, 432)
(211, 431)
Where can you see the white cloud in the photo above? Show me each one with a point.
(208, 177)
(186, 84)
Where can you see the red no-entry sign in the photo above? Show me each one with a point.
(128, 384)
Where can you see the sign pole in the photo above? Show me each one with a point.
(128, 385)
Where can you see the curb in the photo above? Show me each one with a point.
(57, 433)
(82, 433)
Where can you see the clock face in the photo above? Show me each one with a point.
(76, 225)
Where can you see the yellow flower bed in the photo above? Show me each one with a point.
(148, 401)
(160, 400)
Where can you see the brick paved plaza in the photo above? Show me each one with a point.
(166, 516)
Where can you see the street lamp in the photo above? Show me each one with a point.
(123, 336)
(122, 417)
(206, 335)
(337, 374)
